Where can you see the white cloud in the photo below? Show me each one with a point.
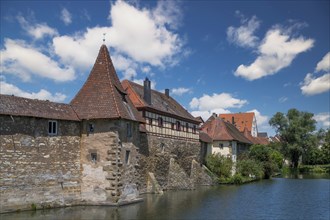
(324, 64)
(143, 34)
(216, 101)
(244, 35)
(37, 31)
(168, 13)
(180, 91)
(10, 89)
(66, 16)
(323, 119)
(206, 114)
(313, 86)
(23, 60)
(276, 52)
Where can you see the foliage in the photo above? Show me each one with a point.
(250, 168)
(320, 153)
(219, 165)
(236, 179)
(271, 160)
(314, 168)
(295, 129)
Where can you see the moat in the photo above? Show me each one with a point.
(299, 197)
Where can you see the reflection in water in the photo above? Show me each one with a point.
(278, 198)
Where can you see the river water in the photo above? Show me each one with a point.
(294, 197)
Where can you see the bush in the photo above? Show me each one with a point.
(237, 179)
(219, 165)
(250, 168)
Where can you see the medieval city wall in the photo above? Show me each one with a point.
(109, 159)
(38, 170)
(172, 162)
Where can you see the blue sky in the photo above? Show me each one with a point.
(215, 56)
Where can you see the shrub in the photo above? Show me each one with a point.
(250, 168)
(219, 165)
(237, 179)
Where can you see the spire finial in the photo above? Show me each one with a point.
(104, 37)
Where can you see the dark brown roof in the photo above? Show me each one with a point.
(159, 102)
(102, 95)
(219, 130)
(18, 106)
(204, 137)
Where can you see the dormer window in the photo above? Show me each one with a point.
(52, 127)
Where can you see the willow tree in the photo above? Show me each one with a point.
(296, 131)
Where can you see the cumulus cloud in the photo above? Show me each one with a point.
(217, 103)
(323, 119)
(24, 61)
(66, 16)
(277, 51)
(244, 35)
(262, 120)
(180, 91)
(37, 31)
(324, 64)
(10, 89)
(315, 85)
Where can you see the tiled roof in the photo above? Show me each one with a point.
(18, 106)
(255, 140)
(102, 95)
(204, 137)
(241, 120)
(219, 130)
(159, 102)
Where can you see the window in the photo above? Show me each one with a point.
(178, 126)
(91, 128)
(127, 157)
(160, 121)
(52, 127)
(194, 129)
(221, 145)
(129, 129)
(150, 121)
(187, 127)
(94, 157)
(172, 126)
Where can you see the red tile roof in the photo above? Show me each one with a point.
(255, 140)
(102, 95)
(159, 102)
(219, 130)
(241, 120)
(18, 106)
(204, 137)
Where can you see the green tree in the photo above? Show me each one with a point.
(296, 131)
(219, 165)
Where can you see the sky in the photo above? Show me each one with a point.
(214, 56)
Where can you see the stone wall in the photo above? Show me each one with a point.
(109, 159)
(170, 160)
(38, 170)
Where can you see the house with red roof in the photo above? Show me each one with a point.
(241, 121)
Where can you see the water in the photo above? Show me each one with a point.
(278, 198)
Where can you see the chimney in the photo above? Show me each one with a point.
(147, 91)
(214, 114)
(167, 93)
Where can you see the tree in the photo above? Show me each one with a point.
(296, 131)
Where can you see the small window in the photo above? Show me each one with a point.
(172, 126)
(160, 121)
(127, 157)
(194, 129)
(178, 126)
(52, 127)
(150, 121)
(129, 129)
(94, 157)
(221, 146)
(91, 128)
(187, 127)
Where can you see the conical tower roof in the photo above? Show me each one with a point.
(102, 95)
